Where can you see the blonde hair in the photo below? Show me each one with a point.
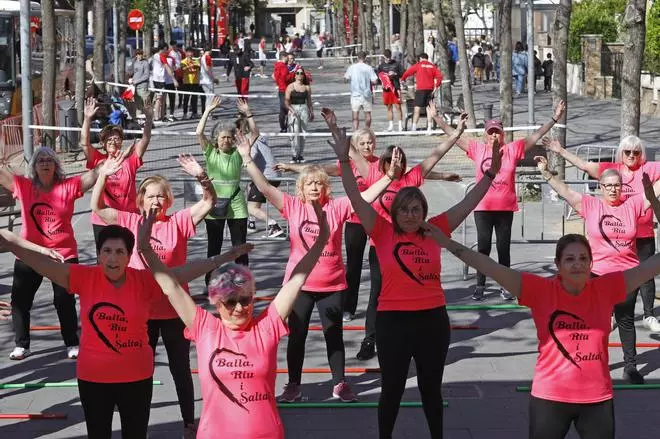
(630, 143)
(360, 133)
(312, 171)
(154, 179)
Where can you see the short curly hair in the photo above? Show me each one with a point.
(231, 279)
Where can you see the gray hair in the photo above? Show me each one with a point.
(220, 127)
(630, 143)
(50, 153)
(609, 173)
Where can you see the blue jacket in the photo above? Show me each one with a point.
(453, 50)
(519, 63)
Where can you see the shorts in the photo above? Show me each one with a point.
(423, 97)
(391, 97)
(257, 197)
(159, 86)
(358, 102)
(319, 53)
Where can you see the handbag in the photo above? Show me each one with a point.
(221, 206)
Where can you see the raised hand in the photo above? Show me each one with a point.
(341, 145)
(396, 165)
(242, 106)
(243, 145)
(462, 122)
(330, 118)
(189, 165)
(560, 110)
(282, 167)
(551, 145)
(321, 218)
(431, 111)
(434, 232)
(91, 107)
(496, 162)
(648, 188)
(5, 310)
(542, 164)
(111, 165)
(55, 256)
(144, 230)
(148, 110)
(451, 176)
(215, 102)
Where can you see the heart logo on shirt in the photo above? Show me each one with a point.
(41, 213)
(386, 199)
(565, 321)
(308, 228)
(485, 164)
(226, 353)
(610, 223)
(108, 322)
(405, 254)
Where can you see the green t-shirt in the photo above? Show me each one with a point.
(225, 170)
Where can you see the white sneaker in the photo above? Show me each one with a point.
(652, 324)
(72, 352)
(19, 353)
(400, 126)
(390, 127)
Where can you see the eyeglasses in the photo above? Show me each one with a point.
(415, 211)
(114, 139)
(610, 186)
(244, 301)
(633, 152)
(45, 161)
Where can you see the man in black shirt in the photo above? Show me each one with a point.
(389, 72)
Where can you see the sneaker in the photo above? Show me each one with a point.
(171, 118)
(283, 130)
(505, 295)
(652, 324)
(390, 127)
(252, 227)
(294, 159)
(632, 376)
(300, 159)
(291, 393)
(367, 351)
(320, 67)
(19, 353)
(478, 293)
(274, 230)
(343, 392)
(347, 316)
(72, 352)
(195, 116)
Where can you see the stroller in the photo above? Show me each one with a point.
(112, 110)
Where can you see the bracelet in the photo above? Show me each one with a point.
(555, 120)
(245, 164)
(247, 117)
(546, 179)
(489, 174)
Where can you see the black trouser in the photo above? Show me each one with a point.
(330, 309)
(646, 249)
(547, 83)
(374, 293)
(132, 399)
(284, 113)
(402, 335)
(452, 71)
(25, 285)
(355, 239)
(171, 97)
(552, 419)
(178, 358)
(215, 234)
(190, 98)
(486, 221)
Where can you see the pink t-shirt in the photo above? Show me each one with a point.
(169, 239)
(47, 215)
(119, 192)
(237, 375)
(502, 193)
(573, 332)
(414, 177)
(361, 181)
(114, 346)
(329, 273)
(410, 267)
(632, 185)
(611, 231)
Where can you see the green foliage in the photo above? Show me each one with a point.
(652, 50)
(593, 17)
(149, 8)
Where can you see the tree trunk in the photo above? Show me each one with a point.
(122, 13)
(167, 22)
(410, 35)
(403, 31)
(99, 41)
(384, 34)
(506, 50)
(466, 85)
(633, 37)
(368, 25)
(341, 27)
(361, 27)
(442, 51)
(560, 28)
(80, 58)
(49, 70)
(418, 25)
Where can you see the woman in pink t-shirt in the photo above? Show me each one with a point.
(571, 311)
(47, 199)
(611, 223)
(496, 210)
(237, 353)
(630, 161)
(412, 320)
(170, 236)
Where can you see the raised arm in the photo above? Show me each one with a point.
(89, 112)
(590, 168)
(200, 209)
(88, 179)
(509, 279)
(272, 194)
(572, 197)
(244, 109)
(439, 151)
(457, 214)
(330, 168)
(42, 263)
(107, 214)
(532, 139)
(462, 142)
(361, 164)
(201, 137)
(142, 144)
(287, 296)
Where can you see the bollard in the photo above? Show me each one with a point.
(488, 112)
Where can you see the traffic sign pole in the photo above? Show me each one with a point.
(136, 22)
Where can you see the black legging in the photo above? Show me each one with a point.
(178, 358)
(646, 249)
(25, 285)
(486, 221)
(374, 293)
(215, 234)
(330, 309)
(355, 239)
(132, 399)
(171, 97)
(284, 113)
(552, 419)
(402, 335)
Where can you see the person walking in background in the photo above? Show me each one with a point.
(547, 67)
(140, 78)
(160, 70)
(519, 67)
(479, 65)
(281, 76)
(453, 60)
(298, 101)
(206, 77)
(428, 78)
(538, 70)
(361, 76)
(320, 46)
(190, 68)
(242, 64)
(389, 73)
(262, 57)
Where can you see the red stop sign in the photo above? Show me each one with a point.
(135, 19)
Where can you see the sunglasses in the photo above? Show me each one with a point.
(635, 152)
(244, 301)
(300, 73)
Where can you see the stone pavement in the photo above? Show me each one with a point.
(483, 365)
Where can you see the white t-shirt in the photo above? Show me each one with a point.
(157, 68)
(174, 54)
(206, 71)
(361, 75)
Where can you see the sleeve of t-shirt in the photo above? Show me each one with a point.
(638, 204)
(208, 150)
(163, 58)
(414, 177)
(381, 226)
(184, 223)
(95, 158)
(347, 75)
(373, 76)
(150, 288)
(442, 222)
(288, 205)
(473, 149)
(129, 220)
(270, 323)
(374, 175)
(203, 319)
(81, 277)
(588, 204)
(135, 162)
(343, 208)
(532, 289)
(612, 286)
(74, 186)
(19, 186)
(653, 170)
(518, 147)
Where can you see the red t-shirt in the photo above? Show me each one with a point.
(47, 215)
(632, 185)
(362, 183)
(114, 346)
(119, 192)
(573, 332)
(237, 374)
(329, 274)
(611, 231)
(410, 267)
(282, 76)
(169, 239)
(426, 74)
(502, 193)
(414, 177)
